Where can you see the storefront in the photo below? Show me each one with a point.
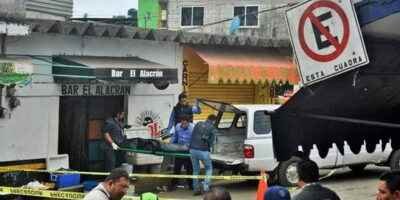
(238, 75)
(95, 88)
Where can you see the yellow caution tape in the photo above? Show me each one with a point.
(142, 175)
(53, 194)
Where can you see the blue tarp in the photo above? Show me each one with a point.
(369, 11)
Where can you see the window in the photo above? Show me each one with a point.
(241, 122)
(192, 16)
(262, 123)
(248, 15)
(226, 120)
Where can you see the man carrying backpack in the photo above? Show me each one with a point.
(200, 146)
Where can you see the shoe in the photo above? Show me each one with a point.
(197, 193)
(171, 188)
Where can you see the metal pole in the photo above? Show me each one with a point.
(3, 44)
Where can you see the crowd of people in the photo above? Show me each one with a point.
(115, 187)
(198, 140)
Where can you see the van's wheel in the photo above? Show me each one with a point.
(287, 172)
(395, 160)
(357, 169)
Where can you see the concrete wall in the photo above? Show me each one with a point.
(30, 131)
(14, 8)
(271, 24)
(37, 9)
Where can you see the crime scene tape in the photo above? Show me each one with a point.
(54, 194)
(48, 193)
(4, 169)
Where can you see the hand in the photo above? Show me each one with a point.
(127, 126)
(114, 146)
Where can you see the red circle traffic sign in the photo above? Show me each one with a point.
(339, 46)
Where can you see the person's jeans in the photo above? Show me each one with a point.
(204, 157)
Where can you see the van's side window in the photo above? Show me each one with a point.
(262, 123)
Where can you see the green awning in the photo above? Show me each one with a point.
(64, 69)
(7, 79)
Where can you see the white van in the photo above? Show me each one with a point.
(244, 143)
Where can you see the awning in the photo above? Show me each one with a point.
(130, 69)
(15, 71)
(247, 65)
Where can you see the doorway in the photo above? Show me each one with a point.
(81, 121)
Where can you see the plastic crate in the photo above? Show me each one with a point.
(65, 180)
(89, 185)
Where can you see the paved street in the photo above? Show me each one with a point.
(348, 185)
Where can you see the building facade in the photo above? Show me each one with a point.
(37, 9)
(255, 20)
(152, 14)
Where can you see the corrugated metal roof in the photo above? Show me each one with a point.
(119, 31)
(54, 7)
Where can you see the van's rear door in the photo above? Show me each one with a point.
(231, 124)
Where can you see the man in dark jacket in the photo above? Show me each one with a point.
(114, 137)
(182, 108)
(311, 189)
(200, 146)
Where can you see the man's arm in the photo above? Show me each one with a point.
(110, 141)
(171, 122)
(214, 132)
(108, 138)
(175, 135)
(196, 107)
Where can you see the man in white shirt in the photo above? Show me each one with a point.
(114, 187)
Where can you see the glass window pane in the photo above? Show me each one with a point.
(198, 16)
(262, 123)
(239, 11)
(186, 18)
(241, 123)
(252, 16)
(226, 120)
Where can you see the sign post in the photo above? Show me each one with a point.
(326, 38)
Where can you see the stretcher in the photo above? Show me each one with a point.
(157, 153)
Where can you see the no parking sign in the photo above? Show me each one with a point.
(326, 38)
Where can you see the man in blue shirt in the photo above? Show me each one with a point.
(182, 136)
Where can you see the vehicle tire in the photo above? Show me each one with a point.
(395, 160)
(287, 172)
(357, 168)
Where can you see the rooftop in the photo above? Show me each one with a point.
(94, 29)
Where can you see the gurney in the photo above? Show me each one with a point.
(157, 152)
